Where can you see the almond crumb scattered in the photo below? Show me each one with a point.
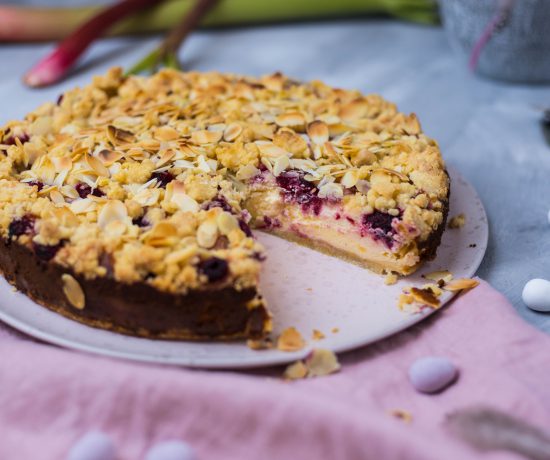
(260, 344)
(335, 330)
(317, 335)
(461, 284)
(391, 278)
(295, 371)
(457, 221)
(443, 275)
(319, 363)
(401, 414)
(425, 296)
(290, 340)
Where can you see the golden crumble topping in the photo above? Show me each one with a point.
(146, 179)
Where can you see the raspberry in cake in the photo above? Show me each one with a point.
(144, 192)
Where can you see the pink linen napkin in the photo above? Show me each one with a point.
(49, 396)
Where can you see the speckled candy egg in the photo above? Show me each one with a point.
(94, 445)
(171, 450)
(432, 374)
(536, 294)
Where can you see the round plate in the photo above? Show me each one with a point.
(351, 306)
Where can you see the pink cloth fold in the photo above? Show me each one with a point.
(49, 396)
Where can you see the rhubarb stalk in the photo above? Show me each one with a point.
(167, 53)
(55, 66)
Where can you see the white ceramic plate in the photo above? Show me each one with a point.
(304, 288)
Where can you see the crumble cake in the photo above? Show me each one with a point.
(128, 204)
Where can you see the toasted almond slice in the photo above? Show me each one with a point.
(281, 164)
(147, 197)
(295, 371)
(73, 291)
(83, 206)
(97, 166)
(205, 137)
(331, 190)
(57, 197)
(232, 131)
(461, 284)
(392, 172)
(108, 157)
(181, 255)
(444, 275)
(318, 132)
(165, 157)
(119, 136)
(322, 362)
(227, 223)
(425, 296)
(317, 335)
(247, 172)
(181, 199)
(113, 210)
(267, 149)
(162, 234)
(290, 340)
(290, 119)
(350, 178)
(166, 133)
(207, 233)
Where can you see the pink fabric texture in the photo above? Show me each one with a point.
(49, 396)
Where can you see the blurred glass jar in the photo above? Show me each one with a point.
(519, 48)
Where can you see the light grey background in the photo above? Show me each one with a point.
(488, 130)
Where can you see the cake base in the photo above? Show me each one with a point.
(136, 309)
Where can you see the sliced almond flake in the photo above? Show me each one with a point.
(317, 152)
(184, 164)
(165, 157)
(227, 223)
(213, 164)
(267, 164)
(97, 166)
(73, 291)
(444, 275)
(461, 284)
(206, 137)
(113, 210)
(116, 228)
(69, 191)
(321, 362)
(318, 132)
(202, 164)
(304, 165)
(350, 178)
(281, 164)
(162, 234)
(147, 197)
(166, 133)
(290, 119)
(290, 340)
(317, 335)
(62, 164)
(149, 184)
(402, 415)
(232, 131)
(57, 197)
(108, 157)
(436, 290)
(217, 127)
(425, 296)
(247, 172)
(331, 190)
(271, 150)
(392, 172)
(183, 201)
(119, 136)
(207, 233)
(295, 371)
(181, 255)
(83, 206)
(60, 178)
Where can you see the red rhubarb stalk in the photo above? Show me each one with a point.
(55, 66)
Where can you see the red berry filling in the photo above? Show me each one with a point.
(84, 190)
(22, 226)
(298, 190)
(46, 252)
(379, 224)
(163, 177)
(215, 269)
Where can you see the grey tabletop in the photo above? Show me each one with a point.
(488, 130)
